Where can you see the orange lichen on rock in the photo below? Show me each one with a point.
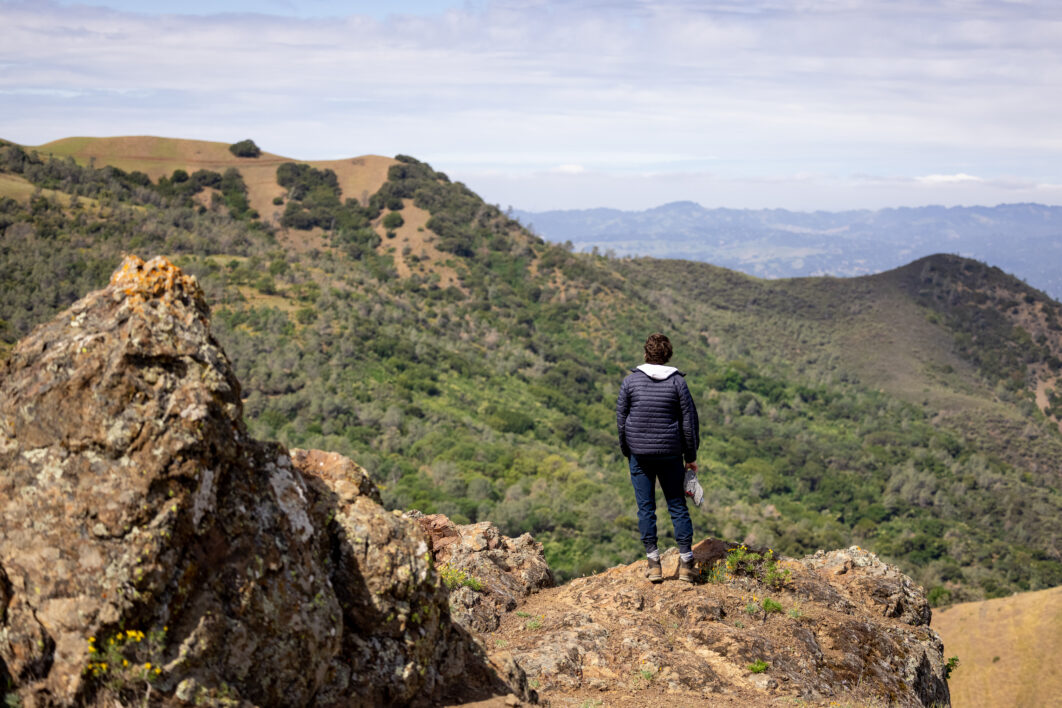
(157, 278)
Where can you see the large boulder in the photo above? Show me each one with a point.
(149, 548)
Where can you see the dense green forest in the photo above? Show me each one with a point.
(494, 400)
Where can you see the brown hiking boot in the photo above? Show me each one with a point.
(654, 573)
(686, 571)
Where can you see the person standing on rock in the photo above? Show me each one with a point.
(659, 435)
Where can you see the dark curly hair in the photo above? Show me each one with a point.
(657, 349)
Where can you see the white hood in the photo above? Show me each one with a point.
(657, 371)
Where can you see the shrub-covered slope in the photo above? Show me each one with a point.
(896, 412)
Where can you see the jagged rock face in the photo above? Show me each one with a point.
(508, 569)
(131, 500)
(849, 628)
(348, 478)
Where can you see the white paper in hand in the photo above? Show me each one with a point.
(693, 487)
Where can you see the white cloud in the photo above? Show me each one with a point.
(745, 91)
(948, 179)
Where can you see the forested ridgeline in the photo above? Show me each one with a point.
(493, 398)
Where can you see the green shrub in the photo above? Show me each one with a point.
(393, 221)
(763, 567)
(455, 578)
(245, 148)
(770, 606)
(758, 667)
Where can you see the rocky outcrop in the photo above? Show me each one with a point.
(843, 626)
(505, 570)
(149, 549)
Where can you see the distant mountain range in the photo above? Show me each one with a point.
(1023, 239)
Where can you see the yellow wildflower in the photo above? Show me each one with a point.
(148, 666)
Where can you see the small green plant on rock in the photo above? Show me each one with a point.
(763, 567)
(758, 667)
(534, 623)
(455, 578)
(770, 605)
(949, 666)
(716, 573)
(127, 663)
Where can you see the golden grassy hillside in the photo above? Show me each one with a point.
(359, 177)
(1010, 650)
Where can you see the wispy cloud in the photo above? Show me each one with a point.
(948, 179)
(757, 90)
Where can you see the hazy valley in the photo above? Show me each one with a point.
(1022, 239)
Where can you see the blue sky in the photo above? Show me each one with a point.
(801, 104)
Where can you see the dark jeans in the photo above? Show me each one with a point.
(645, 470)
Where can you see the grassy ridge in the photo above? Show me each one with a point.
(833, 411)
(1008, 650)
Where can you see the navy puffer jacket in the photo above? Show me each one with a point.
(655, 414)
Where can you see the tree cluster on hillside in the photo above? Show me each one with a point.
(245, 148)
(974, 299)
(493, 400)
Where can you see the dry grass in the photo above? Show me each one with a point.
(256, 298)
(16, 187)
(359, 177)
(1010, 650)
(21, 190)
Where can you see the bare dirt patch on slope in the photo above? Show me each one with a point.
(413, 247)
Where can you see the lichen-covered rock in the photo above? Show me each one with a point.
(846, 627)
(348, 478)
(506, 569)
(140, 524)
(861, 576)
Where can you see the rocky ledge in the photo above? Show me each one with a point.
(836, 628)
(152, 553)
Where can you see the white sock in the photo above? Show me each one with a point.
(686, 557)
(655, 554)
